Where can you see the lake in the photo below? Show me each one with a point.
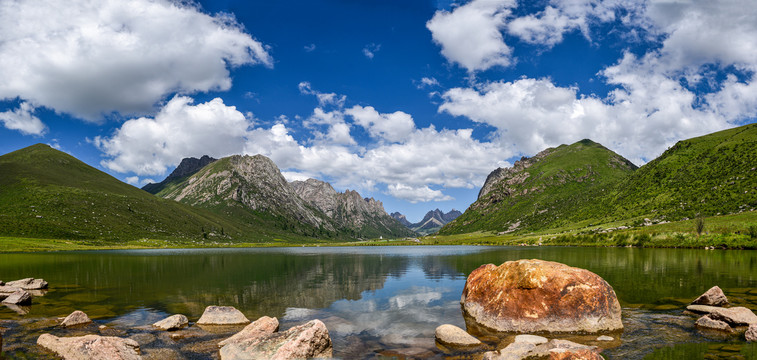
(374, 300)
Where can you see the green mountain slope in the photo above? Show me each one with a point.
(546, 191)
(708, 175)
(46, 193)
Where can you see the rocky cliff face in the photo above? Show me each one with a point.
(401, 218)
(432, 221)
(349, 210)
(512, 175)
(187, 167)
(249, 182)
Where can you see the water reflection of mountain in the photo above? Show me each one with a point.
(639, 276)
(258, 283)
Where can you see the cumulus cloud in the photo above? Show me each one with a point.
(417, 193)
(90, 58)
(471, 34)
(323, 98)
(394, 127)
(148, 146)
(426, 82)
(23, 120)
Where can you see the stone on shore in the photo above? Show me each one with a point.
(76, 318)
(259, 328)
(708, 322)
(28, 284)
(173, 322)
(310, 340)
(454, 337)
(751, 333)
(19, 297)
(537, 295)
(712, 297)
(222, 315)
(91, 347)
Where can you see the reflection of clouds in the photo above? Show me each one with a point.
(294, 314)
(423, 297)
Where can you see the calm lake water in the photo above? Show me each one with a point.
(375, 300)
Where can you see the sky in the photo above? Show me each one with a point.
(411, 102)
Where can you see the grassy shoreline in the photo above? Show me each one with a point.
(736, 231)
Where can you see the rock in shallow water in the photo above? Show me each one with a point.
(751, 333)
(76, 318)
(575, 354)
(712, 297)
(310, 340)
(532, 347)
(19, 297)
(710, 323)
(173, 322)
(29, 284)
(259, 328)
(537, 295)
(91, 347)
(455, 337)
(222, 315)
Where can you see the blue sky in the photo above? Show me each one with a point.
(410, 102)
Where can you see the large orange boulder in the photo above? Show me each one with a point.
(540, 296)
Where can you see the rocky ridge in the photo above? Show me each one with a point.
(188, 166)
(432, 221)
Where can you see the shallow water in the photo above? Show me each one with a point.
(374, 300)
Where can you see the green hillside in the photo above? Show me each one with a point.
(549, 191)
(708, 175)
(584, 184)
(46, 193)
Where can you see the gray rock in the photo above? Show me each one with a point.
(91, 347)
(709, 323)
(531, 339)
(455, 337)
(19, 297)
(6, 291)
(702, 309)
(173, 322)
(143, 338)
(735, 316)
(76, 318)
(527, 348)
(29, 284)
(605, 338)
(544, 350)
(712, 297)
(310, 340)
(222, 315)
(259, 328)
(751, 333)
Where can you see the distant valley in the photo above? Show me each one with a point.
(431, 223)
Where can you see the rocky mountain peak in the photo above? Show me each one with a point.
(513, 174)
(187, 167)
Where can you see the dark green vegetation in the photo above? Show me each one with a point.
(573, 189)
(45, 193)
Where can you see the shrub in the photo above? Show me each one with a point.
(642, 239)
(752, 231)
(699, 224)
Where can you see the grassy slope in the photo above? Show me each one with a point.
(706, 175)
(45, 193)
(556, 192)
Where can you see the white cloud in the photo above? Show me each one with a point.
(309, 48)
(136, 181)
(426, 157)
(323, 98)
(417, 194)
(471, 36)
(427, 82)
(371, 49)
(89, 58)
(148, 146)
(394, 127)
(23, 120)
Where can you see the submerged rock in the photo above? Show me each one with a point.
(310, 340)
(751, 333)
(710, 323)
(454, 337)
(712, 297)
(91, 347)
(538, 347)
(259, 328)
(222, 315)
(19, 297)
(29, 284)
(574, 354)
(173, 322)
(537, 295)
(76, 318)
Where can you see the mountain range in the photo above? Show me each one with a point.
(585, 184)
(431, 223)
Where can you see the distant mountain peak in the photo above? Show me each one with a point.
(432, 221)
(187, 167)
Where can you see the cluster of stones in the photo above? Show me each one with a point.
(528, 296)
(20, 292)
(718, 317)
(258, 340)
